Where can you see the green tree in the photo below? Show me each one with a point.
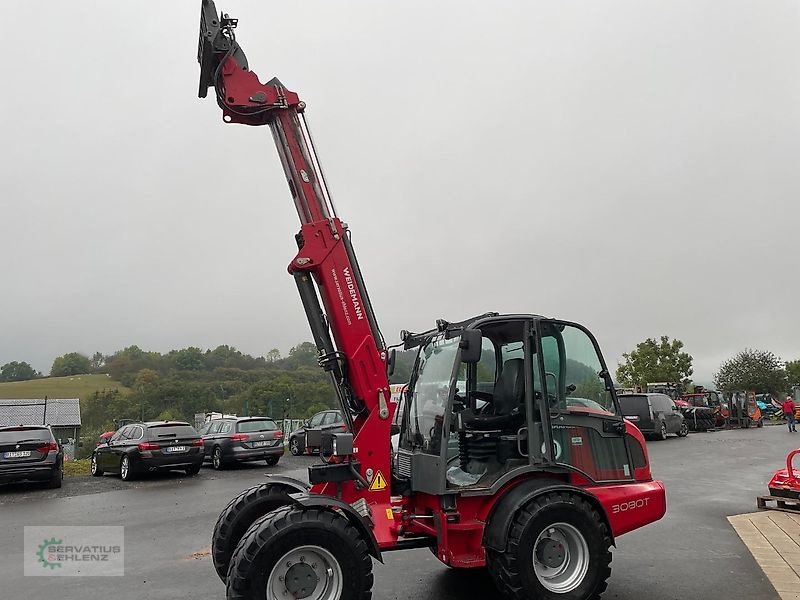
(302, 355)
(188, 359)
(273, 355)
(72, 363)
(758, 371)
(18, 371)
(793, 372)
(655, 360)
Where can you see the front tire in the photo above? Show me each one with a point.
(234, 521)
(294, 447)
(216, 459)
(557, 549)
(293, 552)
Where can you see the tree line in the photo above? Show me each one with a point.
(147, 385)
(664, 360)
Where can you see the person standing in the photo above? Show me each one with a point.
(788, 413)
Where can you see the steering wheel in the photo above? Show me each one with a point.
(485, 396)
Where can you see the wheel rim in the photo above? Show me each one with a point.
(307, 572)
(94, 464)
(663, 430)
(294, 447)
(123, 469)
(217, 458)
(684, 429)
(560, 558)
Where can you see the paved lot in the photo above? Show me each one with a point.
(693, 552)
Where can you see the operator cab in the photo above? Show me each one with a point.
(498, 396)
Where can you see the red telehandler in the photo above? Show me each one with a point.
(513, 454)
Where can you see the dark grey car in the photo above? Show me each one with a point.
(30, 453)
(654, 414)
(242, 439)
(141, 448)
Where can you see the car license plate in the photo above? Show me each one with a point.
(176, 448)
(261, 444)
(632, 417)
(20, 454)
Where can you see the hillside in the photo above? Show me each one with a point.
(76, 386)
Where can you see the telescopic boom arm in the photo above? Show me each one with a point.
(325, 268)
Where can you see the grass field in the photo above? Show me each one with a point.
(76, 386)
(77, 468)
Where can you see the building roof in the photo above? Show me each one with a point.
(60, 412)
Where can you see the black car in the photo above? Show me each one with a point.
(240, 439)
(146, 447)
(654, 414)
(30, 453)
(327, 420)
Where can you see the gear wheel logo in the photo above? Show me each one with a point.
(43, 549)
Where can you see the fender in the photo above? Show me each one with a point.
(307, 500)
(502, 514)
(297, 485)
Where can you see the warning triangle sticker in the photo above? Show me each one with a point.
(378, 483)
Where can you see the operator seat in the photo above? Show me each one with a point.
(492, 438)
(508, 403)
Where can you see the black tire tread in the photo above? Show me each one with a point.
(273, 523)
(56, 479)
(227, 529)
(502, 565)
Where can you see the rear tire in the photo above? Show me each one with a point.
(96, 471)
(662, 432)
(193, 470)
(684, 430)
(236, 518)
(57, 478)
(331, 553)
(126, 469)
(272, 460)
(557, 549)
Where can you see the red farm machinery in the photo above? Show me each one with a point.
(512, 452)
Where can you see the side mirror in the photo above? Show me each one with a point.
(390, 362)
(395, 429)
(471, 346)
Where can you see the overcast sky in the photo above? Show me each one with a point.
(630, 165)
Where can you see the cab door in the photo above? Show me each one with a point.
(587, 431)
